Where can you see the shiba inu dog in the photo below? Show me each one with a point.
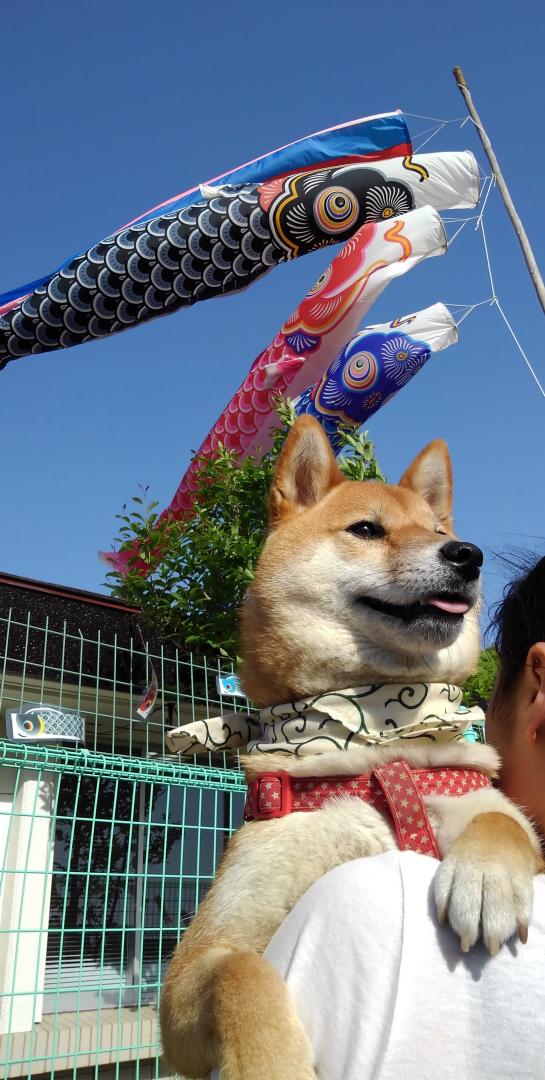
(359, 585)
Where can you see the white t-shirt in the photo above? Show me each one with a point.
(385, 994)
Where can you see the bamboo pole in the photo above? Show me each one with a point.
(509, 205)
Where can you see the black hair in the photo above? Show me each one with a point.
(519, 620)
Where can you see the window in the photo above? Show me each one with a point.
(131, 863)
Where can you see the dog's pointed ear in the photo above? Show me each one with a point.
(430, 476)
(305, 472)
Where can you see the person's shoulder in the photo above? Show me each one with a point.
(539, 885)
(538, 912)
(392, 870)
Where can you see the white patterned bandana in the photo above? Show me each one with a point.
(367, 716)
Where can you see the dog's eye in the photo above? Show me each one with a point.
(367, 530)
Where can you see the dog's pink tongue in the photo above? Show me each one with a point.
(454, 607)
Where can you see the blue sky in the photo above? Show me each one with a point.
(110, 108)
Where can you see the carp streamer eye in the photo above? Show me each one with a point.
(335, 209)
(321, 283)
(361, 372)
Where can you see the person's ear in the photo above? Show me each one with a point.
(535, 715)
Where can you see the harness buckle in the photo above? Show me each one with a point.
(269, 796)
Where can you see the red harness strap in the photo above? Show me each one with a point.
(394, 789)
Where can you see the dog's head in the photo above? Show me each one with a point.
(358, 582)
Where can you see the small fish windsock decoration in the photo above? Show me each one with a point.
(373, 366)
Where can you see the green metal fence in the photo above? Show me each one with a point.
(105, 851)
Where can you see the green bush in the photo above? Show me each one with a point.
(478, 688)
(194, 590)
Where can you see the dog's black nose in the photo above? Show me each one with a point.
(467, 558)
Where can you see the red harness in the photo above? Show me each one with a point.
(395, 789)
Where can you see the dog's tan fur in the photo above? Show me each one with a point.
(304, 632)
(295, 642)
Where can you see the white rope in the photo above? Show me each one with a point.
(496, 303)
(519, 346)
(480, 303)
(438, 119)
(491, 184)
(490, 302)
(457, 233)
(478, 126)
(442, 123)
(417, 149)
(467, 309)
(487, 257)
(468, 312)
(461, 217)
(419, 134)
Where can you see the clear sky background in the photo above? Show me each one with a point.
(110, 107)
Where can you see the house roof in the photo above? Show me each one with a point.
(65, 591)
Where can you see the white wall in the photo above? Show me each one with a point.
(26, 856)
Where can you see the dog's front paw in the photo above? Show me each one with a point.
(485, 882)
